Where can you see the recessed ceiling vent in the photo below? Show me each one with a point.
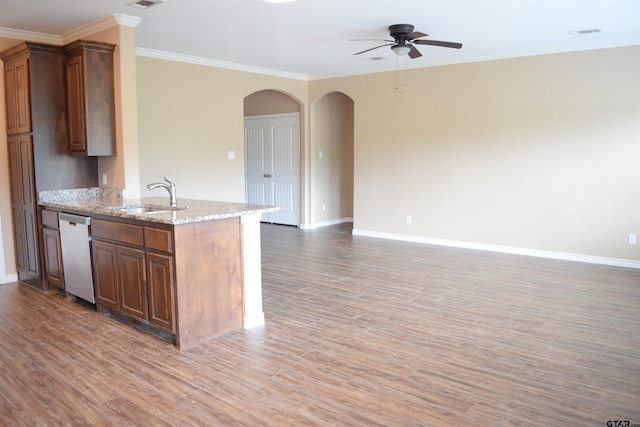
(143, 4)
(589, 31)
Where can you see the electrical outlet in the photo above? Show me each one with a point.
(632, 239)
(408, 219)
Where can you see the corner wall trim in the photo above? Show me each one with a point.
(590, 259)
(9, 278)
(253, 321)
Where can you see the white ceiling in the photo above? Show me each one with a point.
(309, 39)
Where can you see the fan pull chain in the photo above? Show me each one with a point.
(396, 72)
(406, 74)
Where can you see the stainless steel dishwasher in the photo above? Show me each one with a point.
(75, 240)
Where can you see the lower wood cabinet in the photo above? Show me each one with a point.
(54, 270)
(105, 274)
(132, 281)
(161, 290)
(182, 281)
(131, 278)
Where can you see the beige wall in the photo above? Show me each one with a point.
(539, 152)
(190, 117)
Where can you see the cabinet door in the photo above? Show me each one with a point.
(91, 98)
(29, 208)
(53, 257)
(32, 243)
(23, 101)
(15, 171)
(132, 281)
(27, 173)
(16, 74)
(105, 274)
(161, 290)
(20, 241)
(75, 105)
(24, 207)
(10, 95)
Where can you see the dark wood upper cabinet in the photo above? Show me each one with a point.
(16, 75)
(90, 98)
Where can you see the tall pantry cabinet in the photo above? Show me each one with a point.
(37, 141)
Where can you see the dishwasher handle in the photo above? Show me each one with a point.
(74, 219)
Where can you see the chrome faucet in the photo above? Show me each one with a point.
(171, 188)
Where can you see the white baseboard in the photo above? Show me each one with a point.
(8, 278)
(628, 263)
(325, 223)
(253, 321)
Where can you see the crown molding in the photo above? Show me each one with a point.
(73, 35)
(32, 36)
(198, 60)
(100, 25)
(127, 20)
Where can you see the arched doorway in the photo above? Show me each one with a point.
(333, 160)
(272, 138)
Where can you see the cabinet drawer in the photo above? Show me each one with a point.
(117, 231)
(50, 219)
(157, 239)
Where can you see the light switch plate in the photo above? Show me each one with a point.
(231, 155)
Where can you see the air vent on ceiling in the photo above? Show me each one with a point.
(589, 31)
(143, 4)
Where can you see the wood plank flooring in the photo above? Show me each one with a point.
(359, 332)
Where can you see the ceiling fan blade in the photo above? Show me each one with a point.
(439, 43)
(383, 45)
(369, 40)
(414, 53)
(415, 35)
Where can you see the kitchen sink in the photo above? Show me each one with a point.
(146, 209)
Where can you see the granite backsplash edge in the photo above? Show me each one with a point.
(113, 195)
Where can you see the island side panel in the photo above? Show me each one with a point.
(208, 280)
(252, 271)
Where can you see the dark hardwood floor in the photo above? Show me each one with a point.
(359, 331)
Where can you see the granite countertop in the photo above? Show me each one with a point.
(100, 201)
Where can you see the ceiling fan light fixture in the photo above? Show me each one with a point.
(401, 50)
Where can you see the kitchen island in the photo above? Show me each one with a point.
(188, 273)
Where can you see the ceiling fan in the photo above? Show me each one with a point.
(404, 39)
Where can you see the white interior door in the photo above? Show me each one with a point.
(272, 165)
